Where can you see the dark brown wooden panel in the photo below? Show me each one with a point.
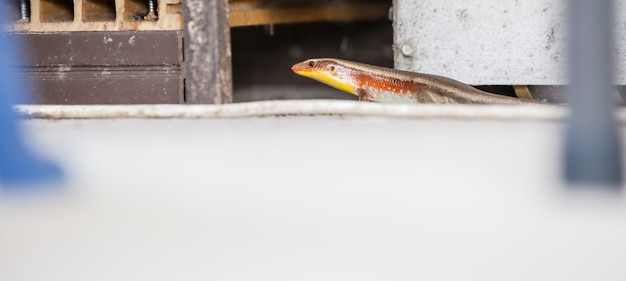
(140, 67)
(99, 85)
(100, 48)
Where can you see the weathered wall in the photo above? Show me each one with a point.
(490, 41)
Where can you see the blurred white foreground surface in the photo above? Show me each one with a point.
(308, 198)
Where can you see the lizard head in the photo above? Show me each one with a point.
(328, 71)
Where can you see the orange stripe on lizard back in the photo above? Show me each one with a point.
(385, 83)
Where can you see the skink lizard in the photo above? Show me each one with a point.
(388, 85)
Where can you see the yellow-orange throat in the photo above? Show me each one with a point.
(325, 72)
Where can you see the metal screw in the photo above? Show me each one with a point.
(24, 13)
(151, 11)
(151, 6)
(406, 50)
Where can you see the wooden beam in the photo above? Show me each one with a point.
(207, 55)
(245, 13)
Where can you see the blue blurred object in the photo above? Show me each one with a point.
(19, 167)
(593, 153)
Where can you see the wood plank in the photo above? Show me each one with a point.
(245, 14)
(122, 67)
(104, 85)
(127, 48)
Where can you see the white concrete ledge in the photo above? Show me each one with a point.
(297, 108)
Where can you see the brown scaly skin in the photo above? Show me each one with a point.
(383, 84)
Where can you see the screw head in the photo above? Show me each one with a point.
(406, 50)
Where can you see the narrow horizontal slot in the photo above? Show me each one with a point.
(173, 8)
(139, 10)
(99, 10)
(56, 10)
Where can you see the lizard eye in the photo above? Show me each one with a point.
(311, 63)
(332, 68)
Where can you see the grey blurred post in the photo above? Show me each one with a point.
(207, 56)
(592, 146)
